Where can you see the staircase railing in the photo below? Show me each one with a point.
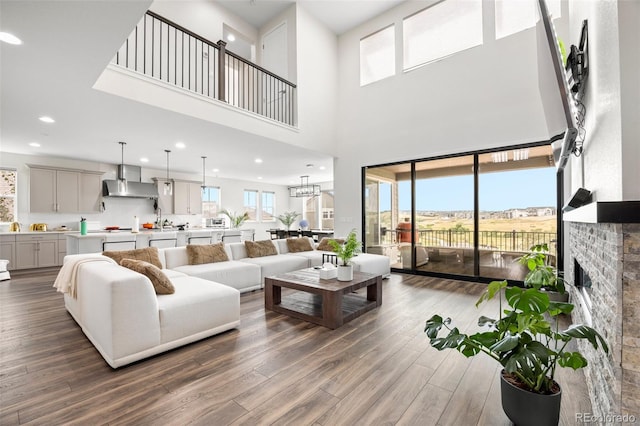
(162, 49)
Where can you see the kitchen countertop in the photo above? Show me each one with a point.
(101, 234)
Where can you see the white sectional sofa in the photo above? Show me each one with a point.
(121, 314)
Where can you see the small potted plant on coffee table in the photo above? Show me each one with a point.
(345, 252)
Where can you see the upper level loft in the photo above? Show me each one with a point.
(167, 52)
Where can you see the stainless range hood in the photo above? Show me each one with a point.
(135, 188)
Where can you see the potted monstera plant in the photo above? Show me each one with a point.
(527, 345)
(542, 275)
(345, 253)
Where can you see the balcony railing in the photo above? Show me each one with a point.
(515, 241)
(164, 50)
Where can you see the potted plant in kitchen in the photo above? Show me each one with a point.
(345, 252)
(288, 218)
(235, 220)
(542, 275)
(527, 345)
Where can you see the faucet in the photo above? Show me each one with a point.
(159, 219)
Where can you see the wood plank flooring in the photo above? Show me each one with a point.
(272, 370)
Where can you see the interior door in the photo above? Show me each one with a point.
(275, 58)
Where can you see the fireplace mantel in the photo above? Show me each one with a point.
(605, 212)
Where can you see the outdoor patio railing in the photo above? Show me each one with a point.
(517, 241)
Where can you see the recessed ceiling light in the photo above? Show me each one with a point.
(231, 37)
(35, 144)
(9, 38)
(259, 177)
(180, 145)
(322, 167)
(47, 119)
(144, 160)
(258, 160)
(215, 170)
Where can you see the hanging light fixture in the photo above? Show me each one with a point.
(304, 190)
(204, 185)
(168, 186)
(122, 181)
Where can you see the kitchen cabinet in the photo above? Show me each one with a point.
(165, 202)
(36, 251)
(8, 250)
(187, 197)
(64, 190)
(62, 248)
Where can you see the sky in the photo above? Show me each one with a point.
(498, 191)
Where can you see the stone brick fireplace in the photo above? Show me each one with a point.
(606, 253)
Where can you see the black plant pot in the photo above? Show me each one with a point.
(526, 408)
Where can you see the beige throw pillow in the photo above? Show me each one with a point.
(324, 243)
(149, 254)
(260, 248)
(206, 253)
(161, 283)
(297, 245)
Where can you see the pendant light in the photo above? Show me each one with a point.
(305, 189)
(204, 185)
(168, 185)
(122, 181)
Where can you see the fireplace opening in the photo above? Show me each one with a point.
(583, 285)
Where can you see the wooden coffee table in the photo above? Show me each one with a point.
(329, 303)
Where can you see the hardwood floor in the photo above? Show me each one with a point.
(376, 369)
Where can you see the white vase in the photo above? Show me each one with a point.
(345, 273)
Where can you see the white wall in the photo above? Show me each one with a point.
(483, 97)
(629, 35)
(120, 211)
(318, 95)
(602, 160)
(205, 18)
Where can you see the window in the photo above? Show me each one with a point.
(322, 204)
(441, 30)
(515, 16)
(268, 206)
(377, 56)
(211, 201)
(8, 195)
(251, 203)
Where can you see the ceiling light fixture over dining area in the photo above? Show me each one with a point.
(304, 189)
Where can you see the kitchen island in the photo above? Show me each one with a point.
(96, 242)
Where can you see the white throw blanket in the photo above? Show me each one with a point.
(66, 281)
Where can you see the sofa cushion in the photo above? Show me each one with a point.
(161, 283)
(148, 254)
(206, 253)
(260, 248)
(239, 275)
(324, 243)
(273, 265)
(197, 306)
(297, 245)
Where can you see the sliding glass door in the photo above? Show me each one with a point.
(445, 215)
(466, 215)
(517, 193)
